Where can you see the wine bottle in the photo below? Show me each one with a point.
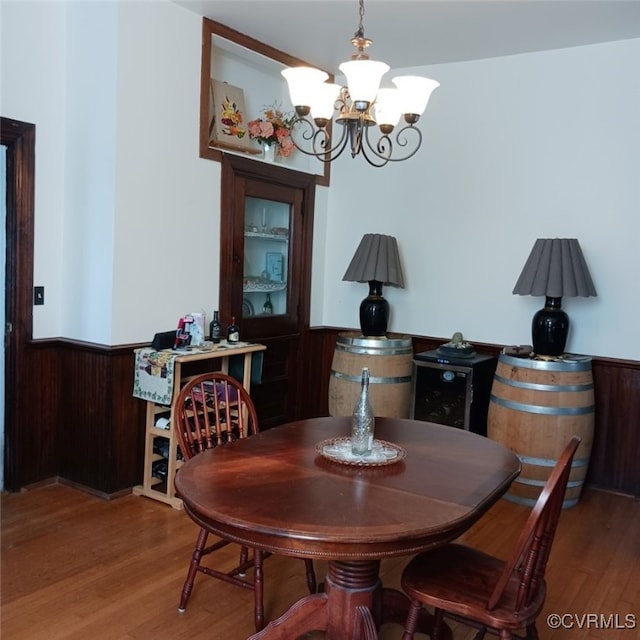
(233, 332)
(215, 328)
(267, 307)
(363, 420)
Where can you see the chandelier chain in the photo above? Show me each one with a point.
(360, 31)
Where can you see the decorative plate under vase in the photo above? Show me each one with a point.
(339, 450)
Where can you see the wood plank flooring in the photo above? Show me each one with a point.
(75, 567)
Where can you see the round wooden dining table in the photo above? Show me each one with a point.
(277, 491)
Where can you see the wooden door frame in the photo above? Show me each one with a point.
(241, 176)
(20, 139)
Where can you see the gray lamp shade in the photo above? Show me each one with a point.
(376, 259)
(555, 268)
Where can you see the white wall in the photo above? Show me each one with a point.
(167, 242)
(516, 148)
(89, 159)
(126, 215)
(33, 89)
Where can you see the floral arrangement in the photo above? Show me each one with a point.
(273, 127)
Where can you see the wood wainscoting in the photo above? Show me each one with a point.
(76, 418)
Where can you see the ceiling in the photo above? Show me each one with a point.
(422, 32)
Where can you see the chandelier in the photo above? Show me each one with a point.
(357, 108)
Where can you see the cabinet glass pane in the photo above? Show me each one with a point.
(267, 225)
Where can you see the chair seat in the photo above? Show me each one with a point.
(460, 580)
(484, 591)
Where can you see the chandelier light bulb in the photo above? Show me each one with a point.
(415, 92)
(324, 102)
(363, 80)
(387, 109)
(302, 83)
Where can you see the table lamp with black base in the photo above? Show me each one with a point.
(555, 268)
(377, 262)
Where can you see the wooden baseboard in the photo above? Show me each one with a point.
(94, 492)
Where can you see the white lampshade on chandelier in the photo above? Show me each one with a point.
(358, 107)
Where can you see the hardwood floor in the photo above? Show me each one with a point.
(75, 567)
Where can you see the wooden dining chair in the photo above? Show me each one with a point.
(482, 591)
(212, 410)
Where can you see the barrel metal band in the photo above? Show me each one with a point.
(548, 411)
(572, 484)
(372, 379)
(543, 387)
(400, 351)
(574, 363)
(530, 502)
(548, 462)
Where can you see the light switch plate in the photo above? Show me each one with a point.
(38, 295)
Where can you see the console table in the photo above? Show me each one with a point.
(161, 444)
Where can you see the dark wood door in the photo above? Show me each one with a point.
(19, 140)
(265, 274)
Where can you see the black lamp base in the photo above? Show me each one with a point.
(549, 329)
(374, 312)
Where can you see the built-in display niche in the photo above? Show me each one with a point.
(240, 79)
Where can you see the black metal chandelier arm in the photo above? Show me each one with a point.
(368, 148)
(320, 141)
(354, 129)
(383, 148)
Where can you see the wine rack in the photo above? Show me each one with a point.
(162, 456)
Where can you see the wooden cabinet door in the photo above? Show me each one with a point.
(265, 273)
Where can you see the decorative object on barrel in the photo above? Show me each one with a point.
(358, 107)
(555, 268)
(457, 347)
(377, 262)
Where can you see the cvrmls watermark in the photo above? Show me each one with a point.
(592, 621)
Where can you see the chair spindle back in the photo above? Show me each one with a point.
(529, 560)
(211, 410)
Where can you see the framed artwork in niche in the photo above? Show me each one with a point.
(228, 122)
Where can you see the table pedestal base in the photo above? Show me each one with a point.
(353, 606)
